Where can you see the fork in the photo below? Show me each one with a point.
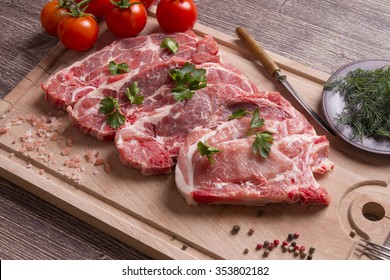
(373, 250)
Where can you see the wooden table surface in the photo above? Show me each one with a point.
(323, 34)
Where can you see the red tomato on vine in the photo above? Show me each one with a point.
(126, 18)
(78, 31)
(148, 3)
(51, 15)
(176, 15)
(97, 7)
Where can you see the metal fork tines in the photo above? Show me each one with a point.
(372, 250)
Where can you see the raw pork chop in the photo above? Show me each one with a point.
(70, 84)
(151, 78)
(238, 176)
(153, 141)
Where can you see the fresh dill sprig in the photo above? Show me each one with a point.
(367, 101)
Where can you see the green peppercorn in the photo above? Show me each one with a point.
(266, 253)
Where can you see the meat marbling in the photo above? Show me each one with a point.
(163, 132)
(238, 176)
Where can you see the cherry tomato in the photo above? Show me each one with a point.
(127, 18)
(97, 7)
(176, 15)
(78, 33)
(148, 3)
(51, 15)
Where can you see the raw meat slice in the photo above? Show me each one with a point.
(65, 87)
(151, 81)
(238, 176)
(153, 141)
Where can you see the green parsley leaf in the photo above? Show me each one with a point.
(262, 143)
(256, 120)
(116, 69)
(111, 108)
(133, 95)
(187, 80)
(170, 44)
(205, 150)
(238, 114)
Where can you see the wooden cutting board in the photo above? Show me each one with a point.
(148, 212)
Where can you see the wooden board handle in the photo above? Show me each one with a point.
(257, 50)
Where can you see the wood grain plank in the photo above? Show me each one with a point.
(33, 229)
(321, 34)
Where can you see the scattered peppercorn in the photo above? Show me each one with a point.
(270, 246)
(310, 257)
(302, 249)
(290, 237)
(352, 233)
(251, 231)
(303, 255)
(246, 251)
(293, 243)
(285, 243)
(265, 244)
(260, 213)
(296, 248)
(296, 253)
(311, 250)
(296, 235)
(184, 247)
(284, 248)
(235, 229)
(266, 253)
(291, 248)
(276, 242)
(259, 246)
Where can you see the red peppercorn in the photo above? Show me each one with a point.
(296, 235)
(285, 243)
(302, 249)
(270, 246)
(276, 242)
(259, 246)
(296, 248)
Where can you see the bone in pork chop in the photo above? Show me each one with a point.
(151, 76)
(70, 84)
(238, 176)
(153, 141)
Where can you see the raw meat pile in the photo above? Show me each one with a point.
(163, 132)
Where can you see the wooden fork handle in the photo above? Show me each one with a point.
(270, 66)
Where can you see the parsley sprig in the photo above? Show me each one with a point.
(205, 150)
(238, 114)
(133, 95)
(170, 44)
(263, 140)
(187, 80)
(118, 68)
(111, 108)
(262, 143)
